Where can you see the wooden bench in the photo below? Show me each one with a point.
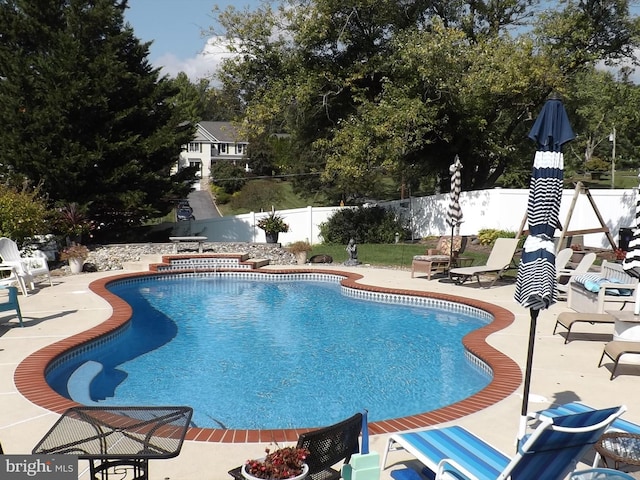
(178, 240)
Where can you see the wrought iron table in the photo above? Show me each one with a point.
(118, 438)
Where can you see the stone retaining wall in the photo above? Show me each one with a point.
(112, 257)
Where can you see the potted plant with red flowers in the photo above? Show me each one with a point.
(284, 463)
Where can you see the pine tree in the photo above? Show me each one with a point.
(83, 112)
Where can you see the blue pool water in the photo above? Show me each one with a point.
(254, 354)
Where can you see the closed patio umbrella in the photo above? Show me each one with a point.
(454, 213)
(631, 263)
(536, 286)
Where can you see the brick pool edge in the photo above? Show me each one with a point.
(30, 379)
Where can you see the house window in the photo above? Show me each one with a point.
(240, 149)
(195, 147)
(223, 148)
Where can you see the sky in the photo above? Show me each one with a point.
(175, 27)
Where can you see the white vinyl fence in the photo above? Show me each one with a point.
(501, 209)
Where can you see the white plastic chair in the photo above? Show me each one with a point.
(26, 267)
(562, 258)
(583, 267)
(10, 277)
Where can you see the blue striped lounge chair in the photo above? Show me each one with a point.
(550, 452)
(619, 424)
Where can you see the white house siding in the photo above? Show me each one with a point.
(209, 150)
(502, 209)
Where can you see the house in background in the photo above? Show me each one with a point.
(214, 142)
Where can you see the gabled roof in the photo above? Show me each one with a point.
(221, 132)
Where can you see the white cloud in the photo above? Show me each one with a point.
(204, 65)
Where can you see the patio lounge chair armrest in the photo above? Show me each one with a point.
(628, 286)
(604, 296)
(449, 465)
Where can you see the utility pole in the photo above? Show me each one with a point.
(612, 138)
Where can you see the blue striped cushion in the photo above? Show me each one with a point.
(593, 282)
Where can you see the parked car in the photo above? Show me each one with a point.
(184, 204)
(185, 214)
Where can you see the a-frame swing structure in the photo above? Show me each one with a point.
(565, 232)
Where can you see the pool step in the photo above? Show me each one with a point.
(207, 262)
(80, 380)
(143, 264)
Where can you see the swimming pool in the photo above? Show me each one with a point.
(390, 339)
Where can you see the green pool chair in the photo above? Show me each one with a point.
(12, 303)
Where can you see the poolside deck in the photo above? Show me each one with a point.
(561, 373)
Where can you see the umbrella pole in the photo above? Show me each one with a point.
(527, 374)
(453, 226)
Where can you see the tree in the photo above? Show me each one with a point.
(83, 112)
(369, 89)
(200, 101)
(598, 104)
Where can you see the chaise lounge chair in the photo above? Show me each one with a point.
(619, 424)
(498, 263)
(327, 446)
(615, 350)
(551, 451)
(569, 319)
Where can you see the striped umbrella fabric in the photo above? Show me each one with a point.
(455, 212)
(631, 263)
(536, 286)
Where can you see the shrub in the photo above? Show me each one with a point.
(597, 165)
(488, 236)
(365, 225)
(220, 195)
(229, 177)
(22, 213)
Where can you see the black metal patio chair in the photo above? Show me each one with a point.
(327, 446)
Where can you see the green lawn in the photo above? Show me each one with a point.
(398, 255)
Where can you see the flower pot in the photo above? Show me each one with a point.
(304, 474)
(271, 237)
(76, 264)
(301, 258)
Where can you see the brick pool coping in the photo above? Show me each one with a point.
(30, 380)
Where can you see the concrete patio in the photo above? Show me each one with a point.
(561, 373)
